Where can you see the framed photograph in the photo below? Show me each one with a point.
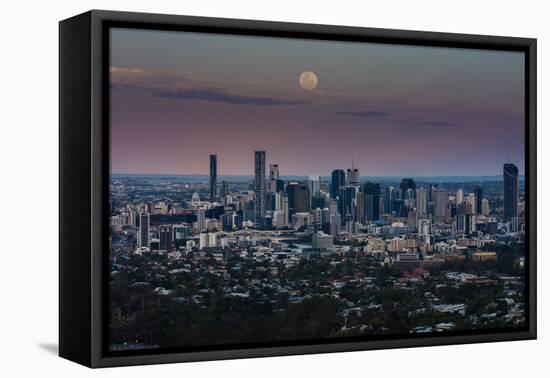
(233, 188)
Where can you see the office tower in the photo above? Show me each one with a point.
(335, 224)
(485, 209)
(201, 219)
(465, 208)
(259, 187)
(465, 223)
(478, 192)
(346, 200)
(338, 180)
(433, 188)
(224, 190)
(372, 201)
(249, 211)
(333, 206)
(412, 219)
(390, 197)
(440, 203)
(471, 200)
(143, 237)
(314, 184)
(284, 208)
(359, 215)
(298, 198)
(352, 178)
(274, 172)
(511, 191)
(316, 217)
(270, 201)
(422, 202)
(213, 177)
(407, 189)
(318, 201)
(274, 184)
(459, 196)
(165, 238)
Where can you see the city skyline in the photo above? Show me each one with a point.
(446, 112)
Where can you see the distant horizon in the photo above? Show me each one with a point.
(250, 177)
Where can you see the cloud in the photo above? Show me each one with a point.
(217, 95)
(190, 87)
(367, 114)
(435, 123)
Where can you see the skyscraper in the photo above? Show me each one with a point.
(511, 191)
(201, 219)
(143, 237)
(274, 172)
(213, 177)
(314, 184)
(353, 176)
(422, 202)
(165, 237)
(407, 189)
(440, 203)
(259, 187)
(298, 198)
(338, 180)
(372, 201)
(478, 192)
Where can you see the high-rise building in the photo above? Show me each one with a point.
(511, 191)
(407, 189)
(372, 201)
(465, 223)
(440, 203)
(143, 237)
(422, 202)
(390, 197)
(165, 238)
(353, 176)
(274, 172)
(284, 208)
(259, 187)
(201, 219)
(298, 198)
(213, 177)
(471, 200)
(359, 215)
(478, 192)
(314, 184)
(459, 197)
(346, 200)
(485, 209)
(338, 180)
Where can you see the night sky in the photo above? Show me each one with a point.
(177, 97)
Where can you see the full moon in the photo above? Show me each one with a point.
(308, 80)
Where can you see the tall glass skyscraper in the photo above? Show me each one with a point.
(511, 191)
(338, 180)
(259, 187)
(213, 176)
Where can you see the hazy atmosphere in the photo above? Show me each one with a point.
(396, 110)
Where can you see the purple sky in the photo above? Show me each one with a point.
(398, 110)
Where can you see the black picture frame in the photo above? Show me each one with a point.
(84, 172)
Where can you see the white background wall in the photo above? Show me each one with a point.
(29, 188)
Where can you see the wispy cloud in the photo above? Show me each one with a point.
(367, 114)
(218, 95)
(435, 123)
(189, 87)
